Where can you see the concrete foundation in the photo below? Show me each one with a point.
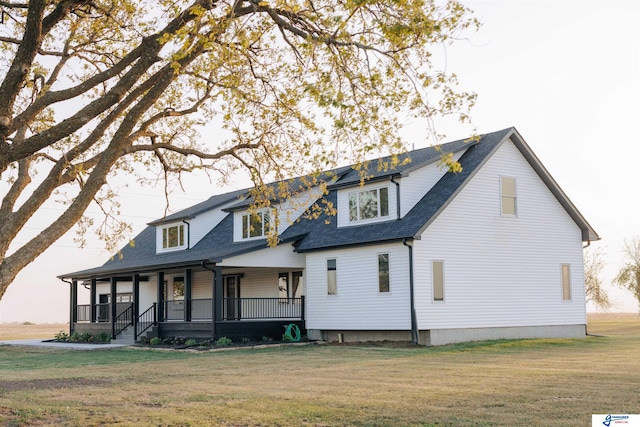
(436, 337)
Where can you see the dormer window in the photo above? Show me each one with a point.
(173, 237)
(255, 224)
(369, 204)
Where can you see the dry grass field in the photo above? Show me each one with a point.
(528, 382)
(17, 331)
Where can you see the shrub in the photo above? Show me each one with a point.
(266, 338)
(224, 342)
(61, 337)
(245, 340)
(156, 341)
(190, 342)
(103, 337)
(28, 323)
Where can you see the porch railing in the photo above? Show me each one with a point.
(262, 308)
(201, 309)
(102, 312)
(145, 321)
(83, 313)
(174, 309)
(122, 320)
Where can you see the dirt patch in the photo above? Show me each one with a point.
(11, 386)
(384, 343)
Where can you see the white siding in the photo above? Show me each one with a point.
(101, 289)
(358, 304)
(148, 293)
(202, 285)
(203, 224)
(414, 186)
(501, 270)
(259, 283)
(280, 256)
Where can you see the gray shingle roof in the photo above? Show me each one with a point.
(323, 233)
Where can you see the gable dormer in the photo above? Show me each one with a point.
(366, 204)
(248, 225)
(172, 236)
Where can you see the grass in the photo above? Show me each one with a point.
(529, 382)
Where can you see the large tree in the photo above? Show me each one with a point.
(593, 266)
(95, 87)
(629, 274)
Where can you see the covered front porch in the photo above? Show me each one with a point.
(199, 302)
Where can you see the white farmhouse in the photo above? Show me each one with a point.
(417, 253)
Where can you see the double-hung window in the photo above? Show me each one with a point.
(173, 237)
(332, 280)
(508, 193)
(437, 275)
(383, 272)
(566, 282)
(369, 204)
(255, 224)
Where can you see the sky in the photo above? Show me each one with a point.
(565, 74)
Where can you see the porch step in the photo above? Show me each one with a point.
(149, 333)
(125, 337)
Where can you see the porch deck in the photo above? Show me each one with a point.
(196, 318)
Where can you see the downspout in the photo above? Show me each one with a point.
(188, 233)
(586, 326)
(415, 338)
(397, 197)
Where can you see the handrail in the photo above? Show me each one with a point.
(123, 320)
(262, 308)
(145, 321)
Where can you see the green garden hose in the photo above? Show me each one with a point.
(291, 333)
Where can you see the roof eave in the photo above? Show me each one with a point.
(93, 274)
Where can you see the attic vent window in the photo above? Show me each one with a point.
(173, 237)
(369, 204)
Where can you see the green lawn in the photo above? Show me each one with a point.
(531, 382)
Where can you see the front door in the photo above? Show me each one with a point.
(232, 297)
(103, 308)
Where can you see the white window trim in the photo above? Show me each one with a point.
(184, 245)
(369, 220)
(515, 198)
(265, 233)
